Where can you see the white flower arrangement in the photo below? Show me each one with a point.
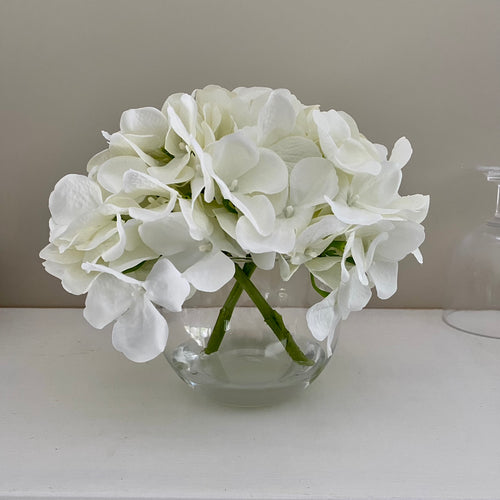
(223, 174)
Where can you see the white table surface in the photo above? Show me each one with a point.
(408, 408)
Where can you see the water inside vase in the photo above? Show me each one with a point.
(251, 367)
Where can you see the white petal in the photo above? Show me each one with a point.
(258, 209)
(352, 295)
(166, 287)
(204, 159)
(277, 117)
(97, 160)
(144, 121)
(280, 240)
(287, 270)
(381, 151)
(322, 264)
(175, 144)
(219, 239)
(233, 155)
(197, 186)
(152, 214)
(249, 94)
(358, 254)
(370, 253)
(117, 204)
(131, 228)
(199, 223)
(110, 174)
(295, 148)
(207, 170)
(332, 131)
(331, 276)
(353, 158)
(374, 151)
(328, 145)
(210, 273)
(108, 298)
(384, 276)
(279, 200)
(377, 191)
(333, 123)
(52, 253)
(418, 255)
(401, 152)
(404, 239)
(102, 235)
(189, 110)
(89, 267)
(151, 143)
(116, 250)
(311, 180)
(227, 221)
(121, 144)
(346, 254)
(412, 207)
(141, 333)
(73, 196)
(133, 257)
(264, 261)
(175, 171)
(315, 236)
(168, 235)
(140, 184)
(351, 123)
(79, 231)
(353, 215)
(322, 318)
(178, 126)
(184, 260)
(382, 226)
(73, 279)
(269, 175)
(93, 255)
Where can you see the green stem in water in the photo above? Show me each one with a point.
(227, 311)
(273, 319)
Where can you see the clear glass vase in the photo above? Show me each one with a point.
(472, 292)
(247, 356)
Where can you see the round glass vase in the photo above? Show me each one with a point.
(240, 352)
(472, 291)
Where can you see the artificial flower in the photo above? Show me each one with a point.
(183, 191)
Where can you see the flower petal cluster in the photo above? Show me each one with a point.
(182, 190)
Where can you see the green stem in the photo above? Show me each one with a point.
(272, 318)
(323, 293)
(227, 311)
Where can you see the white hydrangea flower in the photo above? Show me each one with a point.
(140, 331)
(342, 143)
(246, 175)
(142, 134)
(374, 252)
(202, 264)
(366, 199)
(221, 174)
(80, 229)
(311, 179)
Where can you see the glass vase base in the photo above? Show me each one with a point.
(246, 375)
(485, 323)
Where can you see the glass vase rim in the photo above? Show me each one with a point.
(248, 258)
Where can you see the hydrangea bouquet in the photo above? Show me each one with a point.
(182, 193)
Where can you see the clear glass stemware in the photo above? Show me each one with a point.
(472, 293)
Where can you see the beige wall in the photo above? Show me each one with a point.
(429, 70)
